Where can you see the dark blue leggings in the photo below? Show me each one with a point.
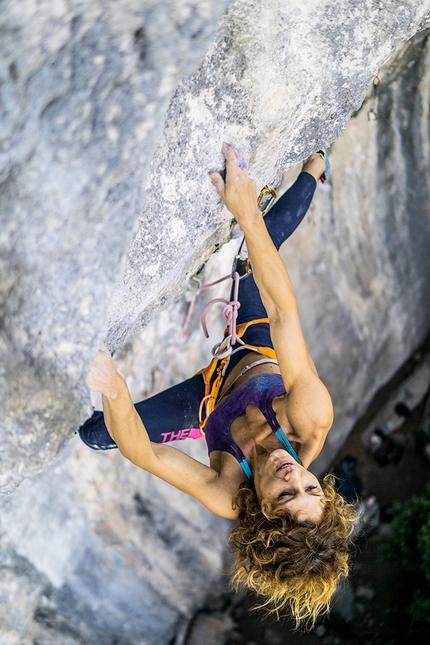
(173, 413)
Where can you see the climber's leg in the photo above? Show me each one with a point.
(288, 212)
(168, 416)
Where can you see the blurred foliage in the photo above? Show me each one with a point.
(409, 551)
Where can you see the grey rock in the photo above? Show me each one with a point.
(359, 262)
(375, 302)
(211, 629)
(84, 92)
(92, 549)
(84, 88)
(280, 82)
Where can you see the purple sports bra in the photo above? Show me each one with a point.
(260, 390)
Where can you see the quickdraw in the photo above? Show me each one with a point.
(266, 199)
(268, 195)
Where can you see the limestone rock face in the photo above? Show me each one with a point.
(360, 263)
(85, 85)
(371, 300)
(93, 550)
(84, 90)
(280, 81)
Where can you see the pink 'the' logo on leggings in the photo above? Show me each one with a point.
(186, 433)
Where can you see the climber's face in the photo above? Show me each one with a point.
(283, 483)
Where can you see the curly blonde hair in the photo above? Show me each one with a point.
(295, 566)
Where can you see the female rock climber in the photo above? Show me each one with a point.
(267, 415)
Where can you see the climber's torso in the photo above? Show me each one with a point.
(250, 430)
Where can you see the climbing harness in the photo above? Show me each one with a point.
(372, 114)
(213, 374)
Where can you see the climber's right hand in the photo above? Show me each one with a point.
(238, 191)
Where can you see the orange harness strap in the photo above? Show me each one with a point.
(213, 373)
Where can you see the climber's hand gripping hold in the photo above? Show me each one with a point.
(238, 192)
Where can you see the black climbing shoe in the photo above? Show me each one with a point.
(94, 433)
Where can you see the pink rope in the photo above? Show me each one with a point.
(229, 312)
(193, 302)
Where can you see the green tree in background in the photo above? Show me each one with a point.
(409, 551)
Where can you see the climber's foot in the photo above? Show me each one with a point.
(95, 435)
(317, 165)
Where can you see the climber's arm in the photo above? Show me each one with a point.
(170, 464)
(238, 193)
(309, 406)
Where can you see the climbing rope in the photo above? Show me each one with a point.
(184, 332)
(229, 312)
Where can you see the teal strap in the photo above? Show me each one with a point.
(246, 469)
(283, 439)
